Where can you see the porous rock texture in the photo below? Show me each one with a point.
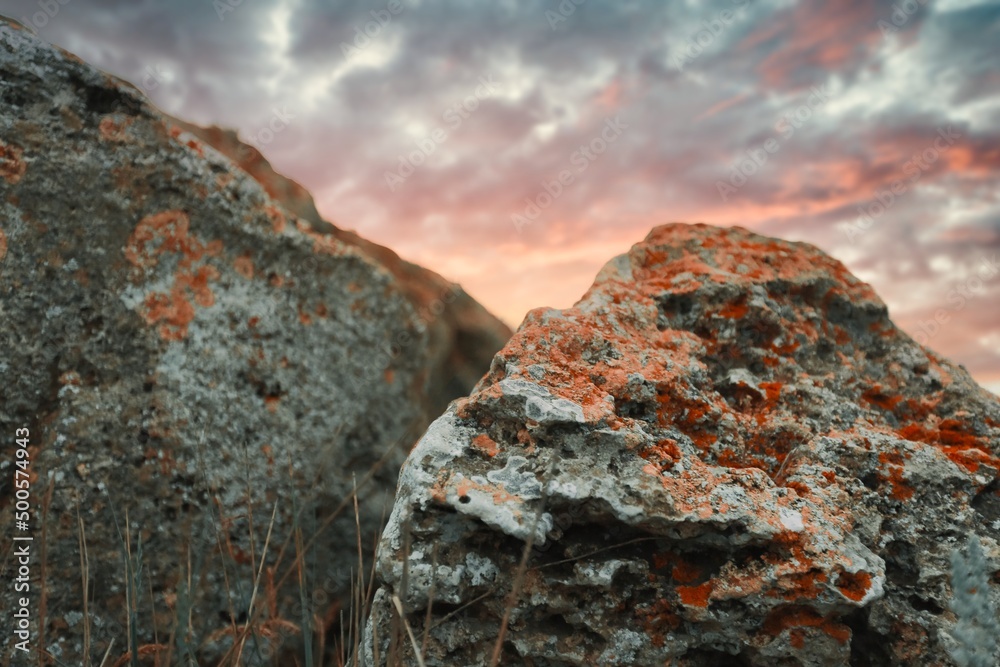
(724, 454)
(190, 359)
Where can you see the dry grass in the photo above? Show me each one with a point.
(85, 584)
(334, 638)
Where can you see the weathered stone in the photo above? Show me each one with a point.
(188, 358)
(724, 454)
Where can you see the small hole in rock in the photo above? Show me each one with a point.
(463, 499)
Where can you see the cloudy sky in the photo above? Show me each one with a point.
(441, 128)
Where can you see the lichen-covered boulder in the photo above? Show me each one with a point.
(724, 454)
(189, 359)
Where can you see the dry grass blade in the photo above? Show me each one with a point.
(227, 549)
(456, 612)
(107, 652)
(308, 619)
(253, 545)
(328, 520)
(85, 579)
(130, 602)
(597, 551)
(142, 651)
(409, 631)
(356, 616)
(256, 584)
(371, 590)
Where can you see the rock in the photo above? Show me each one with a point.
(724, 454)
(462, 335)
(190, 359)
(291, 195)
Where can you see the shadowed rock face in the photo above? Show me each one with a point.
(462, 335)
(724, 454)
(188, 357)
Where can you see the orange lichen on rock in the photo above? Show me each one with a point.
(3, 245)
(323, 244)
(800, 586)
(955, 440)
(197, 283)
(277, 218)
(12, 166)
(662, 456)
(685, 572)
(728, 252)
(893, 462)
(881, 398)
(736, 310)
(695, 596)
(172, 311)
(176, 133)
(244, 266)
(854, 585)
(196, 147)
(772, 391)
(498, 493)
(695, 418)
(657, 619)
(222, 181)
(168, 232)
(113, 128)
(790, 617)
(486, 445)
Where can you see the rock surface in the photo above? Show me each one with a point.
(724, 454)
(188, 357)
(462, 335)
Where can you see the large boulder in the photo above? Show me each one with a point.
(205, 379)
(724, 454)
